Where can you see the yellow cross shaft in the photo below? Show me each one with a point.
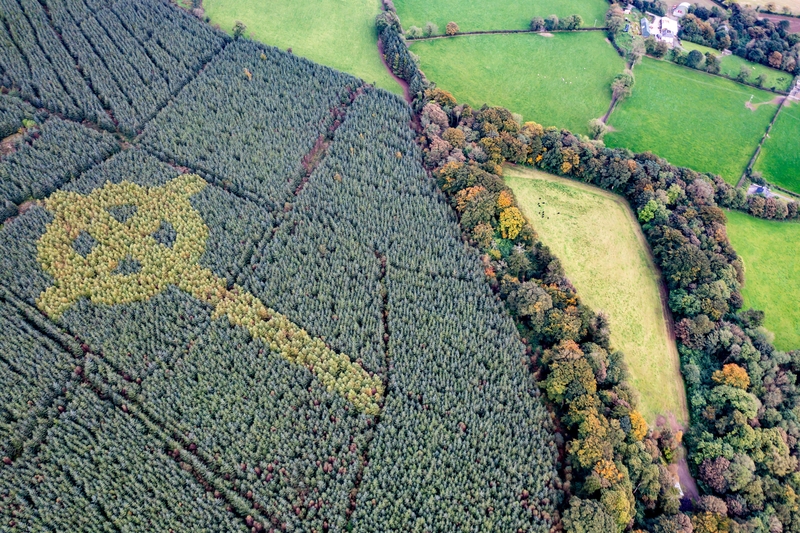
(94, 276)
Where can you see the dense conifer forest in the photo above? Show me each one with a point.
(234, 299)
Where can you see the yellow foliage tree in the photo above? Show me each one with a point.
(505, 199)
(710, 523)
(608, 471)
(638, 425)
(733, 375)
(511, 222)
(465, 196)
(95, 276)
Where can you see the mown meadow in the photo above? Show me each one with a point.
(499, 15)
(779, 160)
(772, 272)
(562, 80)
(731, 65)
(662, 114)
(605, 256)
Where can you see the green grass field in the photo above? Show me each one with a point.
(337, 33)
(692, 119)
(730, 66)
(496, 15)
(603, 251)
(563, 80)
(772, 272)
(779, 160)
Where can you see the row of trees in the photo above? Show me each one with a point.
(740, 30)
(552, 22)
(609, 450)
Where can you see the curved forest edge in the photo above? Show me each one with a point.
(743, 442)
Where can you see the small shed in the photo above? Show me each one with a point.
(682, 9)
(645, 27)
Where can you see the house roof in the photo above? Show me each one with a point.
(669, 25)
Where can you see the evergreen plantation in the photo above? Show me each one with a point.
(134, 403)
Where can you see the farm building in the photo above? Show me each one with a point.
(681, 10)
(662, 28)
(645, 24)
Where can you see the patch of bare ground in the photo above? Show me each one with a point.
(752, 107)
(794, 22)
(680, 468)
(546, 34)
(9, 144)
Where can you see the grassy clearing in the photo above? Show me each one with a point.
(337, 33)
(779, 160)
(496, 15)
(563, 80)
(772, 272)
(732, 64)
(603, 251)
(692, 119)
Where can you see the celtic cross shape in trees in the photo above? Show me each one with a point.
(96, 274)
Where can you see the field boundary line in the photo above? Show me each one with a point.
(718, 75)
(500, 32)
(158, 110)
(383, 263)
(754, 158)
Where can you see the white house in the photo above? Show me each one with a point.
(662, 28)
(669, 28)
(681, 10)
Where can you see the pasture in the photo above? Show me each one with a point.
(732, 64)
(779, 161)
(604, 254)
(692, 119)
(562, 81)
(336, 33)
(497, 15)
(772, 272)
